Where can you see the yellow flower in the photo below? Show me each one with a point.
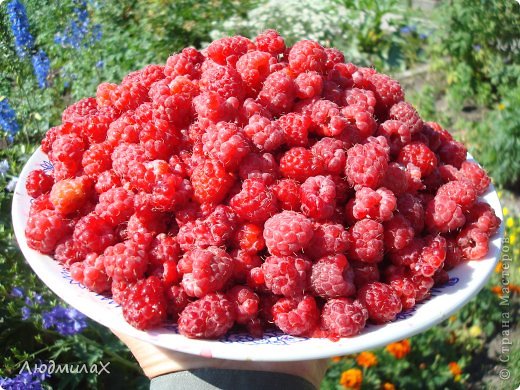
(388, 386)
(510, 222)
(475, 331)
(505, 211)
(453, 318)
(512, 239)
(498, 267)
(501, 106)
(457, 378)
(351, 379)
(366, 359)
(399, 349)
(455, 368)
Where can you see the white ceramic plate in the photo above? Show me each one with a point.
(465, 282)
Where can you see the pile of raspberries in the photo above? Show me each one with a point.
(256, 185)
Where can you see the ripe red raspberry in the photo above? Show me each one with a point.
(397, 134)
(406, 113)
(67, 149)
(205, 270)
(146, 76)
(295, 128)
(175, 107)
(332, 153)
(249, 108)
(287, 233)
(364, 273)
(213, 107)
(211, 183)
(94, 233)
(38, 183)
(68, 252)
(367, 163)
(185, 63)
(287, 275)
(453, 153)
(475, 175)
(278, 93)
(144, 225)
(255, 202)
(227, 51)
(79, 110)
(209, 317)
(126, 155)
(249, 238)
(271, 42)
(432, 256)
(243, 263)
(224, 80)
(296, 316)
(115, 205)
(343, 317)
(308, 85)
(482, 216)
(299, 164)
(412, 209)
(124, 129)
(328, 239)
(363, 98)
(326, 117)
(381, 301)
(366, 241)
(126, 96)
(226, 143)
(306, 56)
(459, 191)
(70, 195)
(45, 229)
(246, 303)
(158, 139)
(419, 155)
(334, 56)
(331, 277)
(453, 254)
(253, 67)
(106, 180)
(287, 192)
(362, 120)
(125, 261)
(91, 273)
(387, 91)
(145, 305)
(379, 204)
(97, 159)
(318, 197)
(164, 248)
(259, 166)
(473, 242)
(43, 203)
(398, 233)
(403, 287)
(443, 214)
(263, 133)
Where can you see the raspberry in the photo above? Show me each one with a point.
(248, 237)
(177, 300)
(45, 229)
(249, 108)
(287, 233)
(408, 255)
(97, 159)
(453, 254)
(271, 42)
(411, 208)
(363, 98)
(146, 76)
(186, 63)
(115, 205)
(69, 252)
(91, 273)
(263, 133)
(296, 316)
(334, 56)
(460, 192)
(343, 317)
(326, 118)
(41, 203)
(158, 139)
(107, 180)
(171, 192)
(225, 142)
(306, 56)
(126, 96)
(278, 93)
(404, 288)
(94, 233)
(287, 275)
(69, 195)
(299, 163)
(164, 248)
(379, 204)
(419, 155)
(331, 152)
(124, 129)
(381, 301)
(124, 156)
(364, 273)
(243, 262)
(295, 128)
(397, 134)
(328, 239)
(398, 233)
(366, 241)
(387, 91)
(473, 242)
(287, 192)
(453, 153)
(213, 107)
(475, 175)
(38, 183)
(104, 94)
(318, 197)
(211, 182)
(406, 113)
(209, 317)
(482, 216)
(68, 149)
(227, 51)
(366, 164)
(223, 80)
(255, 202)
(331, 277)
(259, 166)
(363, 120)
(145, 304)
(443, 214)
(253, 67)
(80, 110)
(125, 261)
(168, 105)
(432, 256)
(247, 303)
(308, 85)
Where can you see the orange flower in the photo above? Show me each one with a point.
(336, 359)
(399, 349)
(366, 359)
(455, 368)
(499, 267)
(351, 379)
(388, 386)
(496, 290)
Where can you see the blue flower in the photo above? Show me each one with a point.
(100, 64)
(407, 29)
(4, 168)
(23, 40)
(17, 292)
(12, 184)
(78, 34)
(8, 118)
(67, 321)
(26, 380)
(42, 66)
(26, 313)
(477, 47)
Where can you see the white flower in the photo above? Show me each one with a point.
(12, 184)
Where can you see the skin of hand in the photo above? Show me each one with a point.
(156, 361)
